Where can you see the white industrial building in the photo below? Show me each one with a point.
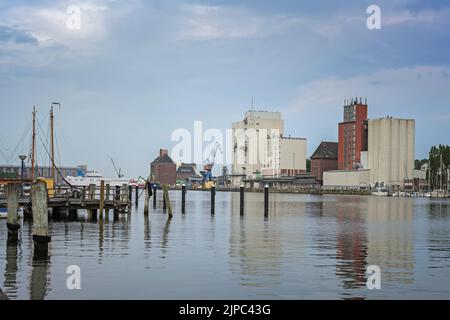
(260, 148)
(391, 150)
(389, 159)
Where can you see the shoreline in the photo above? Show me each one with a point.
(286, 191)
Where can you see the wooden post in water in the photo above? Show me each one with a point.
(167, 201)
(137, 195)
(266, 201)
(12, 192)
(213, 199)
(242, 200)
(146, 198)
(108, 192)
(117, 193)
(92, 214)
(183, 199)
(130, 194)
(102, 198)
(41, 237)
(154, 196)
(164, 200)
(124, 191)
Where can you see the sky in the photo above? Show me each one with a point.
(137, 70)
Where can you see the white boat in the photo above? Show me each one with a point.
(94, 177)
(440, 194)
(4, 213)
(381, 192)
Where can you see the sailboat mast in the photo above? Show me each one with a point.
(52, 144)
(33, 143)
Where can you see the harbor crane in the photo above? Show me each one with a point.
(210, 161)
(118, 170)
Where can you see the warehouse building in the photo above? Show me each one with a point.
(260, 148)
(163, 169)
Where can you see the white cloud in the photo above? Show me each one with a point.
(386, 88)
(203, 22)
(407, 16)
(48, 24)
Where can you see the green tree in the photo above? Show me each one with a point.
(308, 165)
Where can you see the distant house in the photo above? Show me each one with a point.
(164, 169)
(186, 171)
(325, 158)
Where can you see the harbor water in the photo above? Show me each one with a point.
(309, 247)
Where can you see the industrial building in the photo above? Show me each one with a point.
(391, 151)
(325, 158)
(163, 169)
(352, 135)
(388, 161)
(260, 148)
(187, 171)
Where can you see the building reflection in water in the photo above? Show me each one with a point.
(390, 238)
(255, 252)
(351, 242)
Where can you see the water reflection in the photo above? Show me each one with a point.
(255, 247)
(39, 279)
(391, 238)
(351, 243)
(11, 266)
(308, 247)
(439, 234)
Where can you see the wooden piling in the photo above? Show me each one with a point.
(137, 196)
(183, 198)
(92, 214)
(117, 198)
(242, 200)
(12, 191)
(102, 198)
(146, 198)
(167, 201)
(154, 196)
(130, 193)
(40, 213)
(164, 202)
(108, 192)
(266, 201)
(213, 199)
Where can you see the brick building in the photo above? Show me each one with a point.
(325, 158)
(353, 135)
(163, 169)
(186, 171)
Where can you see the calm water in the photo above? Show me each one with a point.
(310, 247)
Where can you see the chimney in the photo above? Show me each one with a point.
(162, 152)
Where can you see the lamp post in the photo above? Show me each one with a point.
(22, 158)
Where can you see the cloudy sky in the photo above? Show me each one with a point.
(137, 70)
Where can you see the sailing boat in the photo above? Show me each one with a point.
(440, 193)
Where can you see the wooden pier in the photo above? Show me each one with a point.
(74, 198)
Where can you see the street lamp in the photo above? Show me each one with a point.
(22, 172)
